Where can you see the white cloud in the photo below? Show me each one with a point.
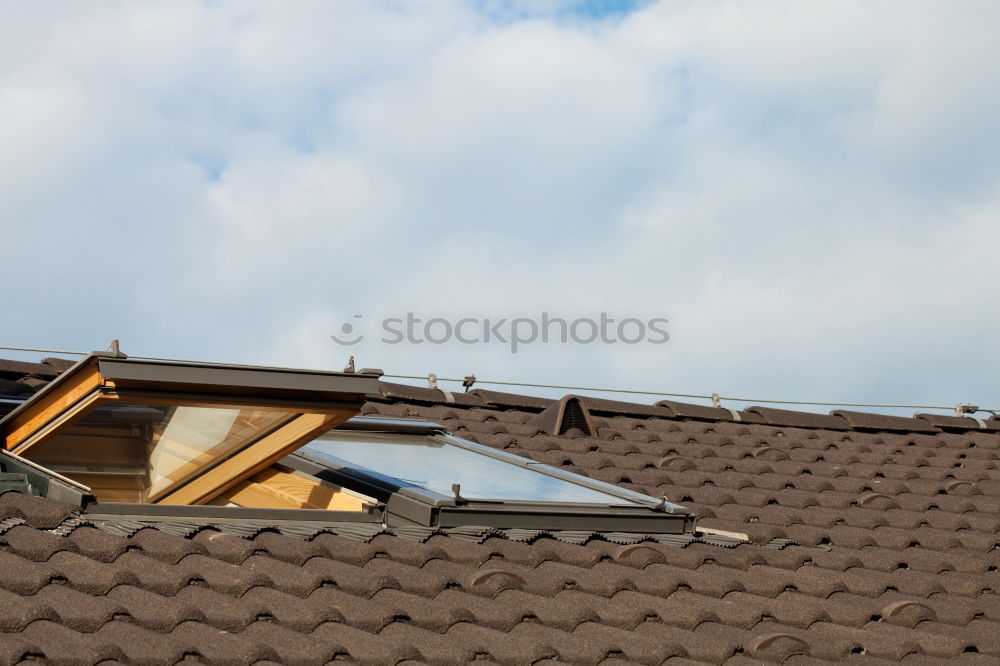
(808, 191)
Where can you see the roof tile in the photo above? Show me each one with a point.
(886, 511)
(33, 544)
(15, 649)
(36, 511)
(868, 421)
(784, 417)
(20, 611)
(365, 647)
(220, 647)
(141, 646)
(153, 611)
(61, 644)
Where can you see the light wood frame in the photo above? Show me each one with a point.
(279, 487)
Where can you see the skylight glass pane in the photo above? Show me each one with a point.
(136, 453)
(435, 465)
(192, 438)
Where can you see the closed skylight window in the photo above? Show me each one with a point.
(426, 476)
(436, 465)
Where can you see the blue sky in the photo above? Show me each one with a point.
(807, 191)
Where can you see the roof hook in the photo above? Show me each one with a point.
(717, 403)
(662, 506)
(967, 410)
(350, 366)
(115, 349)
(432, 383)
(468, 382)
(456, 489)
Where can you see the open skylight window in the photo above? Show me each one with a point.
(175, 433)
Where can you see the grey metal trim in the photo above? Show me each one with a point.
(63, 492)
(48, 484)
(391, 424)
(278, 383)
(300, 404)
(117, 510)
(412, 510)
(557, 518)
(235, 379)
(48, 472)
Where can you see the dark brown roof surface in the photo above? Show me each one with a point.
(896, 524)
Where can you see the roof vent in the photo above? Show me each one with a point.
(565, 415)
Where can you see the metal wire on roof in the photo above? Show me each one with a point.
(818, 403)
(960, 408)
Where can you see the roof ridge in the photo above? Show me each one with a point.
(838, 419)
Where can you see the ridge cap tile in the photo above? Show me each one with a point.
(411, 393)
(608, 407)
(947, 421)
(799, 419)
(27, 368)
(884, 422)
(511, 400)
(687, 410)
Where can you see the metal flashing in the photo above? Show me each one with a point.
(223, 514)
(43, 482)
(392, 424)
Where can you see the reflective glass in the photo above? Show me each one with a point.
(435, 465)
(137, 453)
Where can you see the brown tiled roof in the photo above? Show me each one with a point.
(895, 524)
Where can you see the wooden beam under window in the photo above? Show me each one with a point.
(280, 488)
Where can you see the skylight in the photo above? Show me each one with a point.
(175, 433)
(426, 476)
(155, 439)
(437, 465)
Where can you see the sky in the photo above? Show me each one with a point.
(807, 192)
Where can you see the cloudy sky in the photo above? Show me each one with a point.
(808, 191)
